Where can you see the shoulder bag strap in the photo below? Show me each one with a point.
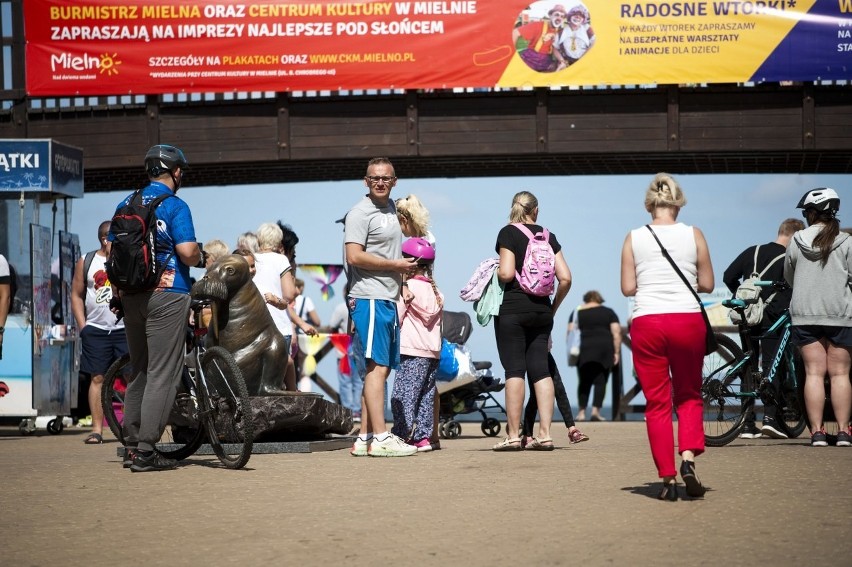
(676, 269)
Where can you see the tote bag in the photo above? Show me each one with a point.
(574, 340)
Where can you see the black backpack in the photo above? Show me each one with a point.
(132, 263)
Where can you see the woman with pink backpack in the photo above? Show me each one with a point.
(532, 268)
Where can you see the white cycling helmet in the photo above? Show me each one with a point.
(821, 199)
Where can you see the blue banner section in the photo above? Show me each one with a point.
(25, 165)
(41, 166)
(819, 47)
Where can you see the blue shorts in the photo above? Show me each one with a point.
(100, 349)
(806, 334)
(377, 329)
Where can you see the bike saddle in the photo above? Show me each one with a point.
(481, 365)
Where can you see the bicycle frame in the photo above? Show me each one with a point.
(750, 358)
(754, 381)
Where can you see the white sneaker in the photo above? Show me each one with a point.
(360, 448)
(393, 446)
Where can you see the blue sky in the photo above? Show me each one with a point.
(590, 215)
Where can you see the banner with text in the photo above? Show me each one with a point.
(102, 47)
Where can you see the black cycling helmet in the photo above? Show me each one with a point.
(164, 158)
(821, 199)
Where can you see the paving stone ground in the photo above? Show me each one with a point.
(769, 503)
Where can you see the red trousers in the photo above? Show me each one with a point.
(668, 354)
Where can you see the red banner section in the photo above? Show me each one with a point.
(94, 47)
(99, 47)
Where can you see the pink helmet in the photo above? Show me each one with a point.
(419, 248)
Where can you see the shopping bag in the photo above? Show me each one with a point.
(448, 365)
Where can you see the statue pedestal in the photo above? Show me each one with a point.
(297, 417)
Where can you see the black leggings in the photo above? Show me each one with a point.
(561, 400)
(522, 344)
(591, 374)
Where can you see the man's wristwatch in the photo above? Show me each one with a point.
(2, 330)
(404, 283)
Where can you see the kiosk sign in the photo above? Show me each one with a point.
(35, 166)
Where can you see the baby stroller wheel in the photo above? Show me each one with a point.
(452, 429)
(490, 427)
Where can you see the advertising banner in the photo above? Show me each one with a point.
(101, 47)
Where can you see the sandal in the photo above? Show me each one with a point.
(508, 444)
(577, 436)
(537, 444)
(94, 439)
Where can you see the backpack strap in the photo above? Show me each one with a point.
(153, 205)
(528, 233)
(87, 263)
(754, 262)
(769, 265)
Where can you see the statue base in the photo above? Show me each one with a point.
(298, 417)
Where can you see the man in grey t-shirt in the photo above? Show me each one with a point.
(373, 256)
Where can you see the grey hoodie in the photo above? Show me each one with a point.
(822, 295)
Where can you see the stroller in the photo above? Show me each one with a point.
(471, 390)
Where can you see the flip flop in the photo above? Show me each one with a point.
(94, 439)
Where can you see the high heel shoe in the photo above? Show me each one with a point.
(669, 492)
(694, 487)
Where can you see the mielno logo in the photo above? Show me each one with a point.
(105, 63)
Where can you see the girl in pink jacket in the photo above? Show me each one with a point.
(413, 396)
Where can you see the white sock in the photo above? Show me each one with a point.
(382, 436)
(365, 437)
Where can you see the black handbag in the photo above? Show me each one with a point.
(710, 343)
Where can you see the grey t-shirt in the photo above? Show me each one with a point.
(377, 229)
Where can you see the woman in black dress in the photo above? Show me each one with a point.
(600, 345)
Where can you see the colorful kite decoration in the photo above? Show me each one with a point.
(323, 274)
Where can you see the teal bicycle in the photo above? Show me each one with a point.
(733, 384)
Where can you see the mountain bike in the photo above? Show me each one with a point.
(732, 381)
(212, 396)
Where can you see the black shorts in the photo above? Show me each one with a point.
(806, 334)
(100, 349)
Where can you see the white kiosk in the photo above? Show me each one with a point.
(40, 356)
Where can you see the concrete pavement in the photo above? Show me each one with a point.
(769, 502)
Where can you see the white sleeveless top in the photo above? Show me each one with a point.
(270, 267)
(658, 287)
(98, 294)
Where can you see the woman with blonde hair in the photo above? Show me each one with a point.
(213, 250)
(524, 324)
(668, 331)
(275, 281)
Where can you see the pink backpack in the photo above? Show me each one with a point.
(538, 270)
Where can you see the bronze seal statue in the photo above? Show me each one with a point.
(246, 329)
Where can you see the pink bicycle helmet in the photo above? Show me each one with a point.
(419, 248)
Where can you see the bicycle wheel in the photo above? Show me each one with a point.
(724, 410)
(181, 438)
(116, 379)
(226, 408)
(792, 417)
